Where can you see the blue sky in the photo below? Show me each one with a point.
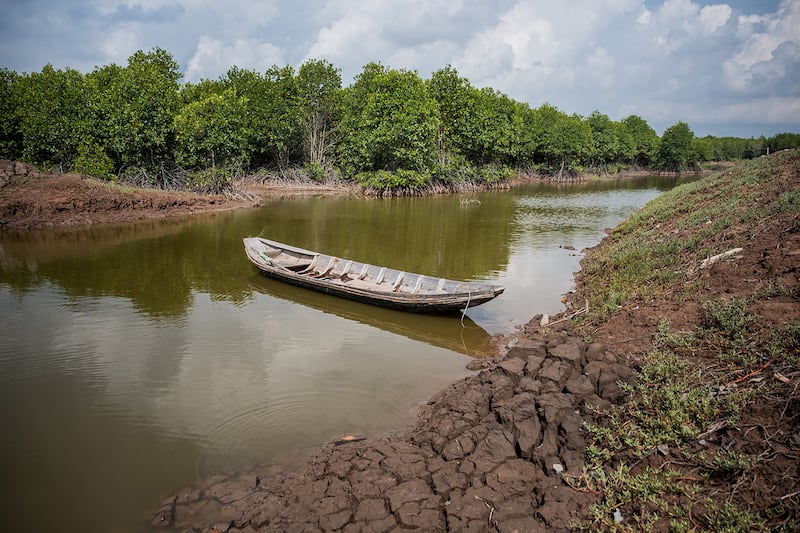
(728, 68)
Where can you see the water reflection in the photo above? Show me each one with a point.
(452, 331)
(438, 236)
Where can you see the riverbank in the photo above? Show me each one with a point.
(665, 398)
(33, 199)
(683, 373)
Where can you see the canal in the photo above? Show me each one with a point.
(138, 359)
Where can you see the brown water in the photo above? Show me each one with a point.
(136, 360)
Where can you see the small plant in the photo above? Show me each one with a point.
(785, 343)
(315, 171)
(93, 161)
(789, 202)
(645, 491)
(731, 318)
(731, 519)
(386, 180)
(598, 453)
(671, 403)
(211, 180)
(724, 464)
(664, 338)
(772, 289)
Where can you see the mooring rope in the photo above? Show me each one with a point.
(464, 312)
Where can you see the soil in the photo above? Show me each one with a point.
(32, 199)
(489, 452)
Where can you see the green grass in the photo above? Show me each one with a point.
(677, 400)
(784, 343)
(670, 406)
(730, 318)
(639, 260)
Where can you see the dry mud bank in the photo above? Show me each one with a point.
(488, 452)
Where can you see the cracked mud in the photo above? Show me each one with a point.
(488, 452)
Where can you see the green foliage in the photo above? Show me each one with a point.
(782, 141)
(731, 519)
(272, 111)
(606, 139)
(728, 464)
(211, 130)
(496, 173)
(133, 109)
(784, 343)
(320, 89)
(677, 152)
(670, 404)
(678, 400)
(10, 134)
(730, 317)
(453, 96)
(564, 142)
(627, 144)
(391, 123)
(93, 161)
(52, 116)
(711, 148)
(384, 180)
(150, 93)
(789, 202)
(634, 270)
(482, 125)
(209, 181)
(665, 339)
(140, 119)
(645, 140)
(315, 171)
(494, 137)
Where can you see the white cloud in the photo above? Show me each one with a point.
(413, 34)
(121, 41)
(348, 36)
(762, 34)
(769, 51)
(712, 18)
(213, 58)
(678, 24)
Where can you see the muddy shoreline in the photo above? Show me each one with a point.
(502, 449)
(489, 452)
(32, 199)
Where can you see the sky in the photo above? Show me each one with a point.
(727, 69)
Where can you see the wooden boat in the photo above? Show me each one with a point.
(363, 282)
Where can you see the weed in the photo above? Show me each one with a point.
(675, 400)
(731, 318)
(671, 403)
(772, 289)
(598, 453)
(724, 464)
(784, 344)
(663, 338)
(647, 491)
(730, 519)
(788, 202)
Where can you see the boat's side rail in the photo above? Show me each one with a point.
(366, 276)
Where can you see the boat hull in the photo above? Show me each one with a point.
(363, 282)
